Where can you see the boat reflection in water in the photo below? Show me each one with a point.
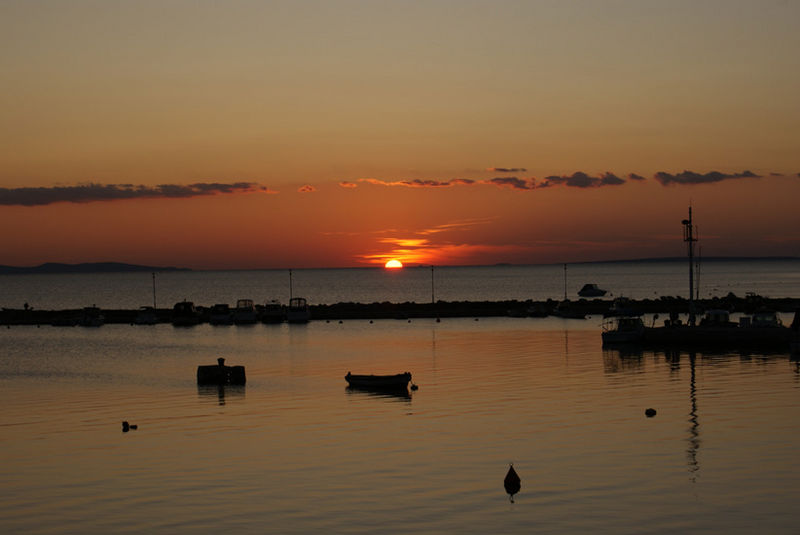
(400, 395)
(221, 392)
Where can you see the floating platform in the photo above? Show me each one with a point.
(220, 374)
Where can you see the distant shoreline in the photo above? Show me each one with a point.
(56, 268)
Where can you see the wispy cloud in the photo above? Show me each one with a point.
(634, 176)
(690, 177)
(346, 184)
(420, 183)
(510, 182)
(506, 169)
(306, 189)
(91, 192)
(465, 224)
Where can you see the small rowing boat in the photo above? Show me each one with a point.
(379, 382)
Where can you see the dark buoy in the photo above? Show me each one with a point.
(512, 482)
(650, 412)
(126, 427)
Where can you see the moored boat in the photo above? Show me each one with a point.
(298, 311)
(221, 314)
(245, 312)
(591, 290)
(273, 312)
(184, 314)
(623, 330)
(379, 382)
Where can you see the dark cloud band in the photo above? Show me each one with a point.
(690, 177)
(85, 193)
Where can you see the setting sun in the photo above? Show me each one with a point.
(393, 264)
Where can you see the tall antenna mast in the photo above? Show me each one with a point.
(690, 238)
(433, 301)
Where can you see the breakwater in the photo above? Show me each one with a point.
(439, 309)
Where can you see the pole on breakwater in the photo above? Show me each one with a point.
(154, 290)
(290, 285)
(433, 300)
(690, 238)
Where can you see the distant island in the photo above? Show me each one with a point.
(95, 267)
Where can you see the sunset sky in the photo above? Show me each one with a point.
(265, 134)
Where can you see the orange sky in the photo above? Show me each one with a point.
(291, 134)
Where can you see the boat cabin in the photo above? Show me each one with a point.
(591, 290)
(716, 317)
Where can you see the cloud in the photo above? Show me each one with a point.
(510, 182)
(346, 184)
(634, 176)
(690, 177)
(776, 174)
(419, 183)
(306, 189)
(84, 193)
(580, 179)
(506, 169)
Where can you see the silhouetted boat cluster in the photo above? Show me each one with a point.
(186, 314)
(761, 330)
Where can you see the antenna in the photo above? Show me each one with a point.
(690, 238)
(433, 301)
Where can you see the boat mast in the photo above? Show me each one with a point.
(690, 239)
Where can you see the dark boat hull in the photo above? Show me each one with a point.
(379, 382)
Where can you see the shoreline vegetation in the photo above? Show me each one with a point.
(441, 309)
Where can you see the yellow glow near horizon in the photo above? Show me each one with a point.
(393, 264)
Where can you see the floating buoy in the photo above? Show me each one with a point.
(414, 387)
(650, 412)
(512, 482)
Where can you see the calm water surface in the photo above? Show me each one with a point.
(638, 280)
(295, 452)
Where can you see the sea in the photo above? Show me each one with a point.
(295, 451)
